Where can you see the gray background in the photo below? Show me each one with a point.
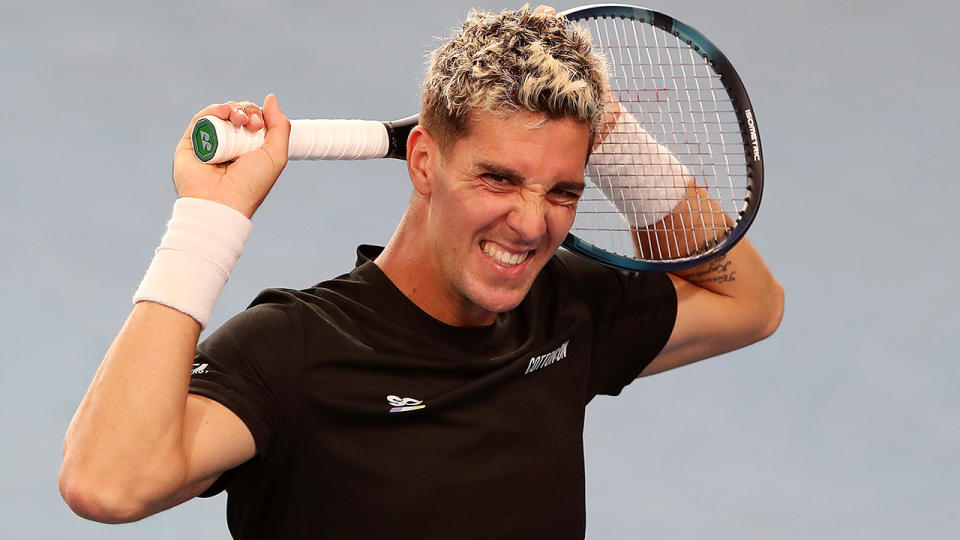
(842, 425)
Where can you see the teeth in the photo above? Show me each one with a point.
(503, 257)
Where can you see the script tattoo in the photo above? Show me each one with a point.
(717, 272)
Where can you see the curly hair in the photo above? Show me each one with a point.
(510, 62)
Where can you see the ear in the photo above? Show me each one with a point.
(423, 157)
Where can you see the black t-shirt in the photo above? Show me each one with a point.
(374, 420)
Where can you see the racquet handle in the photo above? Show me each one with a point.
(216, 140)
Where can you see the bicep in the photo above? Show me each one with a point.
(215, 440)
(707, 324)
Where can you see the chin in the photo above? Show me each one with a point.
(502, 306)
(500, 301)
(495, 289)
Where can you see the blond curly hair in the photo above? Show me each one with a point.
(510, 62)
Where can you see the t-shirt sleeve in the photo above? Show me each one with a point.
(632, 316)
(252, 365)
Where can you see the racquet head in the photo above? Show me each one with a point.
(677, 177)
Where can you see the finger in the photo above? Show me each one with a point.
(546, 10)
(220, 110)
(238, 116)
(252, 112)
(277, 139)
(247, 106)
(256, 120)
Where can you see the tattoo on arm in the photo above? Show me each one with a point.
(718, 271)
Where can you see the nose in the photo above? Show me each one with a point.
(528, 217)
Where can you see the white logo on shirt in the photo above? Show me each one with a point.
(404, 404)
(399, 401)
(199, 369)
(544, 360)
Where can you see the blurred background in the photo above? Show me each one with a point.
(844, 424)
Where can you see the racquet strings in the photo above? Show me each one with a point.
(675, 97)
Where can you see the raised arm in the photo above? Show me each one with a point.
(139, 443)
(722, 305)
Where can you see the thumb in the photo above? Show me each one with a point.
(277, 138)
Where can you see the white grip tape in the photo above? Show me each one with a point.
(198, 252)
(640, 176)
(338, 139)
(309, 139)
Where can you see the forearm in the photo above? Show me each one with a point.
(127, 435)
(695, 225)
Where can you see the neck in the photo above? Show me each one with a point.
(409, 262)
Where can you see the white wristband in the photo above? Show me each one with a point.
(639, 172)
(203, 241)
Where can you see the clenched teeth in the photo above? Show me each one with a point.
(501, 256)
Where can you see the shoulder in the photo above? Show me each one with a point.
(327, 310)
(277, 314)
(277, 309)
(273, 311)
(277, 304)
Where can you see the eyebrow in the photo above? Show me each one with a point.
(516, 177)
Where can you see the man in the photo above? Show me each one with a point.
(436, 391)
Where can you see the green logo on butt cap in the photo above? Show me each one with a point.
(204, 140)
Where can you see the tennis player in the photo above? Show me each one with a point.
(437, 390)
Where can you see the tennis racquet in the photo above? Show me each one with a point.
(676, 178)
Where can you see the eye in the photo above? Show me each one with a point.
(497, 182)
(565, 197)
(497, 178)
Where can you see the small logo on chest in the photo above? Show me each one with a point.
(404, 404)
(550, 358)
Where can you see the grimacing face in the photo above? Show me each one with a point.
(502, 199)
